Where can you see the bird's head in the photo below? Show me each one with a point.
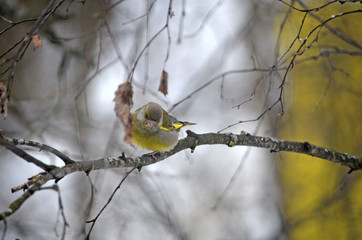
(151, 115)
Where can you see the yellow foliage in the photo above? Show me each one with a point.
(323, 98)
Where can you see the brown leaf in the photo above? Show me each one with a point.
(123, 103)
(95, 15)
(163, 83)
(3, 100)
(36, 41)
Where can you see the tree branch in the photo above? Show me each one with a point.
(40, 146)
(24, 155)
(191, 141)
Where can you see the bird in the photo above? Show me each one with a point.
(154, 129)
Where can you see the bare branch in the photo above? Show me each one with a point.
(191, 141)
(333, 30)
(142, 16)
(55, 187)
(115, 44)
(24, 155)
(25, 41)
(182, 22)
(220, 76)
(93, 221)
(166, 26)
(205, 20)
(12, 24)
(308, 10)
(302, 48)
(41, 147)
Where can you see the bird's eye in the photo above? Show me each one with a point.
(147, 116)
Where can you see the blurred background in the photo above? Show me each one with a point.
(259, 62)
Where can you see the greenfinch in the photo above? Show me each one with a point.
(154, 129)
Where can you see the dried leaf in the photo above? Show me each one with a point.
(3, 100)
(123, 104)
(95, 15)
(36, 41)
(163, 83)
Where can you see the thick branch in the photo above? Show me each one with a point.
(191, 141)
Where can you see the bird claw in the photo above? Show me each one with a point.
(152, 154)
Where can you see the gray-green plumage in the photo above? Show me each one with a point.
(153, 128)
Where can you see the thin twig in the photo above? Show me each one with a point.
(94, 220)
(24, 155)
(220, 77)
(13, 24)
(130, 75)
(333, 30)
(41, 147)
(316, 9)
(205, 20)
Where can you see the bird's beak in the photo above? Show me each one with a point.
(151, 124)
